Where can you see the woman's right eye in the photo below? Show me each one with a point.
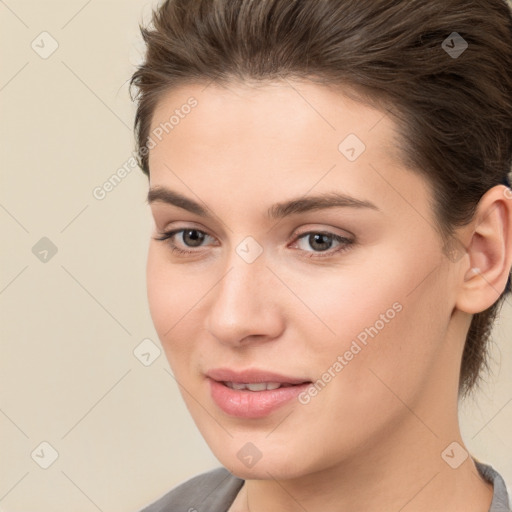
(190, 237)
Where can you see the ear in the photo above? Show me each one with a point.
(487, 270)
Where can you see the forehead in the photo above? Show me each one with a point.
(257, 114)
(298, 136)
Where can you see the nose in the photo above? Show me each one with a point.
(245, 307)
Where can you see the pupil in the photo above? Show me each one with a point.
(313, 239)
(196, 240)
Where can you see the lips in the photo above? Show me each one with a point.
(252, 393)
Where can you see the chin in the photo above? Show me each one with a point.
(262, 470)
(246, 461)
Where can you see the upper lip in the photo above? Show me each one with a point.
(251, 375)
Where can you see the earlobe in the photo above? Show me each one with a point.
(490, 252)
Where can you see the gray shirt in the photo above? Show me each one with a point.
(215, 491)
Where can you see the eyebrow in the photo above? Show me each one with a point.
(276, 211)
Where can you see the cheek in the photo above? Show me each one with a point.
(390, 332)
(348, 301)
(177, 298)
(171, 293)
(386, 303)
(159, 298)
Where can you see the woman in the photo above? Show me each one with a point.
(333, 239)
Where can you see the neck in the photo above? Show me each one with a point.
(410, 477)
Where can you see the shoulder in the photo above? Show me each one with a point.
(500, 499)
(212, 491)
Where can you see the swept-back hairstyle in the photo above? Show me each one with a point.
(441, 69)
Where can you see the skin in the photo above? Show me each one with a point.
(372, 438)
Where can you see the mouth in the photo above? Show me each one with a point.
(253, 376)
(257, 386)
(253, 393)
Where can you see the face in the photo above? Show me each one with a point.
(292, 248)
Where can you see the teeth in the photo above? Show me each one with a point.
(256, 386)
(260, 386)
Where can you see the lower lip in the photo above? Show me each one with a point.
(252, 404)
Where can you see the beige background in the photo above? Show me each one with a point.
(70, 325)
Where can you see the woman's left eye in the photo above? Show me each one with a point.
(322, 241)
(319, 241)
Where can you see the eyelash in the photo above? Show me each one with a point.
(346, 242)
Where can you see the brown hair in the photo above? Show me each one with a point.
(454, 111)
